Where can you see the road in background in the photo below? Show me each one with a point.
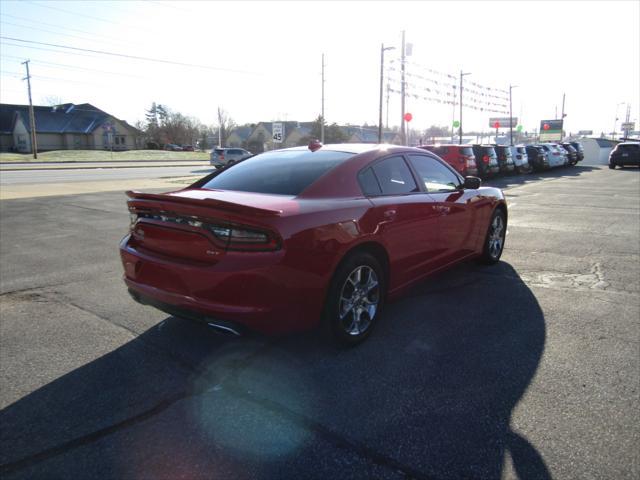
(525, 369)
(97, 174)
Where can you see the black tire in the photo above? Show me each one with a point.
(350, 326)
(612, 166)
(494, 240)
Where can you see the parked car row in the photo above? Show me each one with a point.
(489, 160)
(179, 148)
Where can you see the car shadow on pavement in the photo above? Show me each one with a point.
(429, 395)
(506, 181)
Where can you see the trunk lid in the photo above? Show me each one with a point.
(202, 225)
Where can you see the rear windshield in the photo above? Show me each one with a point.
(627, 148)
(466, 151)
(489, 151)
(279, 172)
(521, 150)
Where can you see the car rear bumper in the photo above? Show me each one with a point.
(271, 299)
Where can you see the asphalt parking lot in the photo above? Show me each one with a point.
(526, 369)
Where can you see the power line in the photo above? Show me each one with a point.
(63, 28)
(91, 17)
(37, 29)
(73, 67)
(52, 50)
(132, 57)
(56, 79)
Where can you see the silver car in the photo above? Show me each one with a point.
(221, 157)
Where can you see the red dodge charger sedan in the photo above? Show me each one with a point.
(294, 238)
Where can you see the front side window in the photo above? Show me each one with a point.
(394, 177)
(435, 176)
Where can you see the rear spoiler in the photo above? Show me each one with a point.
(207, 202)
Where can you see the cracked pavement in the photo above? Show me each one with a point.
(527, 369)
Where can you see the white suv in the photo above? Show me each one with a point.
(221, 157)
(557, 155)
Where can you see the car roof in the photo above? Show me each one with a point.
(354, 148)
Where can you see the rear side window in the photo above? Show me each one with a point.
(394, 176)
(278, 172)
(369, 183)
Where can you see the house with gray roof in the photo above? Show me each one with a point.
(238, 137)
(367, 134)
(65, 127)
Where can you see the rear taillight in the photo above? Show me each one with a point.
(240, 238)
(221, 155)
(485, 158)
(230, 237)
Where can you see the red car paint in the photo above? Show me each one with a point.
(282, 286)
(460, 157)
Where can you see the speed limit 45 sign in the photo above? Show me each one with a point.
(277, 133)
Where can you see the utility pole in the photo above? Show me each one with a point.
(387, 122)
(460, 129)
(403, 133)
(322, 123)
(382, 50)
(453, 112)
(511, 87)
(32, 120)
(562, 118)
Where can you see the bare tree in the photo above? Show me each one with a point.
(225, 125)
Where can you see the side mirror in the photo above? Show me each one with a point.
(472, 183)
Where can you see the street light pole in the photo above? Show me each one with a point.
(511, 116)
(403, 134)
(460, 129)
(382, 50)
(322, 122)
(615, 122)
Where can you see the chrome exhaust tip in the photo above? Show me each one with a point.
(224, 329)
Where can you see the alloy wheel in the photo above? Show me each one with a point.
(496, 236)
(359, 299)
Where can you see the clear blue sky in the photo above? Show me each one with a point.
(261, 61)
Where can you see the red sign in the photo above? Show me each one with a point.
(408, 117)
(546, 126)
(496, 125)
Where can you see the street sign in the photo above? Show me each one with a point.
(550, 130)
(585, 132)
(503, 122)
(277, 132)
(628, 125)
(408, 117)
